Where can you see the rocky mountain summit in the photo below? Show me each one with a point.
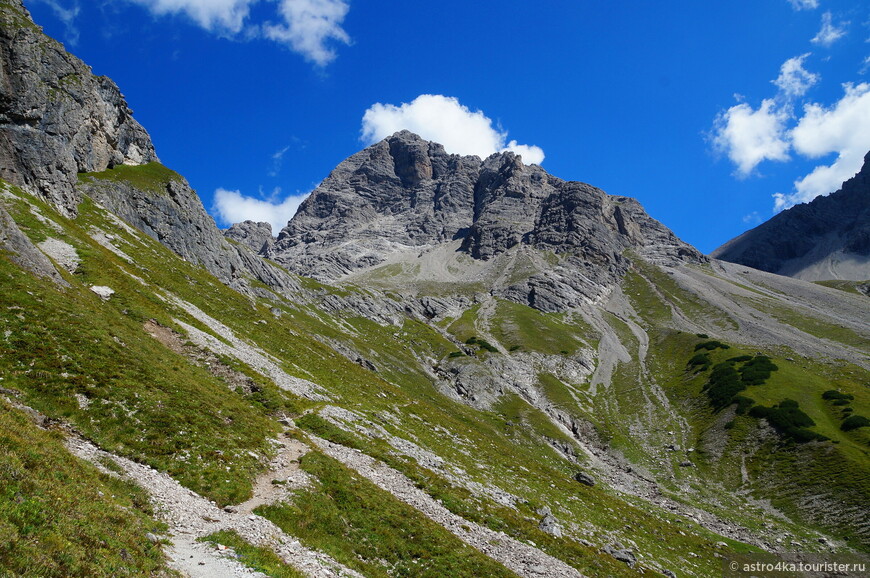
(405, 197)
(827, 238)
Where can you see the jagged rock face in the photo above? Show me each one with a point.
(23, 252)
(828, 238)
(405, 193)
(402, 192)
(56, 118)
(256, 236)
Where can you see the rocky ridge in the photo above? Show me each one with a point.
(405, 196)
(827, 238)
(66, 134)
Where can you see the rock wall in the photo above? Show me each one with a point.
(57, 118)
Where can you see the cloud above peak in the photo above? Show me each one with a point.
(749, 136)
(233, 207)
(309, 27)
(774, 131)
(443, 119)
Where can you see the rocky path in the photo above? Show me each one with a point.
(521, 558)
(191, 516)
(282, 477)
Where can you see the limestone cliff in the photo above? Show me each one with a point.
(57, 118)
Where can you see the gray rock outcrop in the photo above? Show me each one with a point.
(57, 118)
(23, 252)
(584, 479)
(171, 212)
(256, 236)
(827, 238)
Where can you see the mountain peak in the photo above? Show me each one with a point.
(405, 195)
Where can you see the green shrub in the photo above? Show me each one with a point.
(483, 344)
(700, 359)
(711, 345)
(757, 370)
(743, 403)
(455, 354)
(854, 422)
(788, 420)
(833, 394)
(723, 385)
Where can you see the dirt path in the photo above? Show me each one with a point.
(282, 477)
(191, 516)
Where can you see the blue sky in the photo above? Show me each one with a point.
(701, 110)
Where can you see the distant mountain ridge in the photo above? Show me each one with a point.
(827, 238)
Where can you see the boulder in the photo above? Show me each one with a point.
(584, 479)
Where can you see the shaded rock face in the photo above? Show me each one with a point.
(827, 238)
(256, 236)
(406, 193)
(56, 118)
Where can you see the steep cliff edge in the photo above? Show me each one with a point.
(66, 134)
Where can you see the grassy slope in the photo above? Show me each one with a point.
(506, 447)
(59, 516)
(371, 531)
(135, 396)
(815, 483)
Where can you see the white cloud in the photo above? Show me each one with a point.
(794, 80)
(278, 161)
(234, 207)
(225, 16)
(829, 33)
(68, 17)
(804, 4)
(843, 129)
(750, 136)
(306, 26)
(444, 120)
